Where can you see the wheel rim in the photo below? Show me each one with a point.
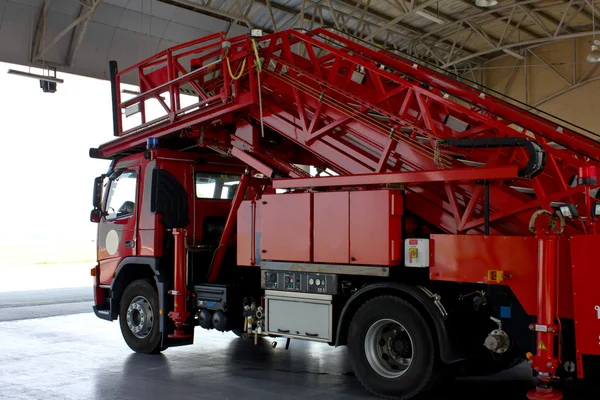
(140, 317)
(389, 348)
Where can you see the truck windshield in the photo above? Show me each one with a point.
(216, 186)
(121, 198)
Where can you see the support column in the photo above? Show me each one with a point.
(545, 361)
(230, 224)
(180, 314)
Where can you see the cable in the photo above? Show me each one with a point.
(343, 108)
(351, 113)
(258, 63)
(259, 70)
(418, 147)
(460, 79)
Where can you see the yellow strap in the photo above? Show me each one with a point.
(235, 78)
(258, 65)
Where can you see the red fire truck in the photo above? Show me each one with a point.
(307, 185)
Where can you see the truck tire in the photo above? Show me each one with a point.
(391, 349)
(139, 318)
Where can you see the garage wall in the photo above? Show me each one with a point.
(570, 91)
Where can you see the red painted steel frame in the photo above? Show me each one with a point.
(364, 111)
(586, 276)
(545, 361)
(464, 174)
(228, 230)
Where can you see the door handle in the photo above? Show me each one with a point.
(130, 244)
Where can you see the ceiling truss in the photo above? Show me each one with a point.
(76, 29)
(516, 26)
(454, 35)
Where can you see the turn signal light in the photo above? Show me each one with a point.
(495, 276)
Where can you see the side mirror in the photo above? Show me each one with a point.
(98, 183)
(96, 215)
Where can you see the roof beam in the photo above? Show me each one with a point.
(370, 11)
(211, 11)
(416, 30)
(498, 16)
(42, 48)
(524, 9)
(401, 17)
(550, 66)
(526, 43)
(39, 31)
(497, 9)
(80, 30)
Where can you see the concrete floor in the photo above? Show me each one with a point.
(79, 356)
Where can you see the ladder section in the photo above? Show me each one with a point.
(365, 111)
(356, 110)
(180, 87)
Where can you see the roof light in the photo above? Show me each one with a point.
(256, 33)
(486, 3)
(594, 55)
(430, 17)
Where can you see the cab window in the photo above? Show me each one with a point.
(216, 186)
(121, 196)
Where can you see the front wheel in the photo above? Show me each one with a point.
(391, 349)
(139, 317)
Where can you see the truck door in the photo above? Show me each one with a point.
(117, 230)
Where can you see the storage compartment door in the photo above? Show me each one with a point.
(304, 319)
(331, 227)
(586, 276)
(375, 227)
(286, 222)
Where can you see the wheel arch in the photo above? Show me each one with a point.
(420, 298)
(131, 269)
(134, 268)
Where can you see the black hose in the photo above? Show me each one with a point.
(537, 155)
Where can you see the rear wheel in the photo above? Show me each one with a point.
(139, 317)
(391, 349)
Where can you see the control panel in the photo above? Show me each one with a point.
(303, 282)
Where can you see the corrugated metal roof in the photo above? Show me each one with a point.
(450, 33)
